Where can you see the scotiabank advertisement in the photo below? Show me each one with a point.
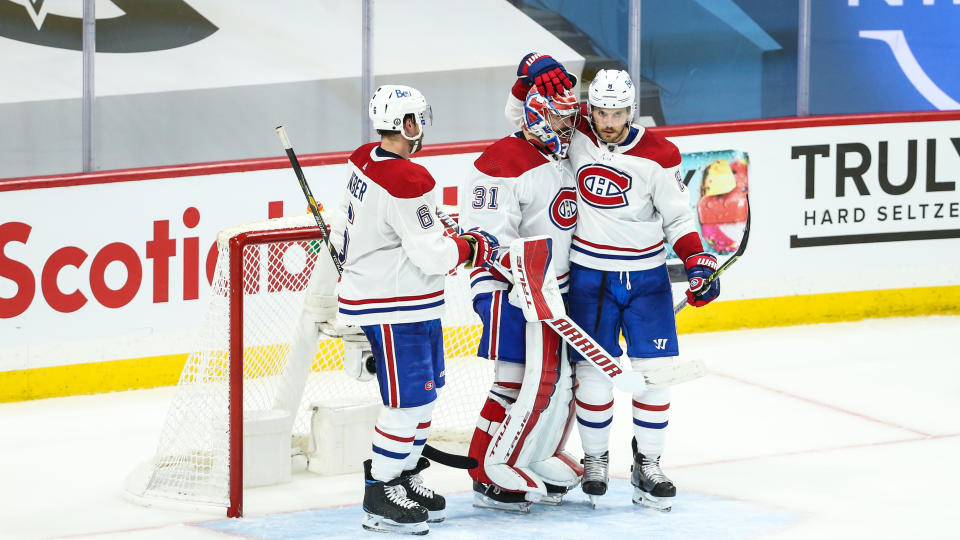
(121, 270)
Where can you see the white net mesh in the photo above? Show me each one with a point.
(192, 459)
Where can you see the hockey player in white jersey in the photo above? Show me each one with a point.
(395, 255)
(631, 200)
(523, 186)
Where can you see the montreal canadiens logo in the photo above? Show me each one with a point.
(602, 186)
(563, 209)
(428, 386)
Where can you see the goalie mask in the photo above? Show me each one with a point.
(391, 103)
(551, 121)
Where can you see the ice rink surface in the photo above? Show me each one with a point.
(846, 430)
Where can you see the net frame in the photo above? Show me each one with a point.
(455, 415)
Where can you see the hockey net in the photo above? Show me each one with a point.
(256, 305)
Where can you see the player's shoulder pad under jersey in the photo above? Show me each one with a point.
(400, 177)
(656, 148)
(509, 158)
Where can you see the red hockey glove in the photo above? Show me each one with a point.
(700, 267)
(546, 73)
(483, 248)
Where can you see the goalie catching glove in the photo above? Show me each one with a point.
(702, 291)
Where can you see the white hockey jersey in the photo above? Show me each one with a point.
(392, 247)
(515, 191)
(629, 196)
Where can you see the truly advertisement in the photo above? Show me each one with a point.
(877, 187)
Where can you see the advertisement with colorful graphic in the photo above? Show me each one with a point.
(718, 185)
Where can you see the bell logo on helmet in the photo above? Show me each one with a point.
(602, 186)
(403, 93)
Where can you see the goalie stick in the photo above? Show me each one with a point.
(610, 366)
(726, 264)
(429, 452)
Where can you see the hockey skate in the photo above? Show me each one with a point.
(492, 497)
(554, 496)
(596, 476)
(651, 488)
(388, 509)
(412, 482)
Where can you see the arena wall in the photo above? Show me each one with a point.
(104, 276)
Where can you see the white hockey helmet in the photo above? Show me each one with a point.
(392, 102)
(612, 89)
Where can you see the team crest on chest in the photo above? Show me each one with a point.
(603, 186)
(563, 209)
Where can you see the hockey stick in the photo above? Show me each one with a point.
(581, 341)
(314, 208)
(429, 452)
(726, 264)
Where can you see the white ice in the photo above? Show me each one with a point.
(847, 430)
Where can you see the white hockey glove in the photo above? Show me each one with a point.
(321, 307)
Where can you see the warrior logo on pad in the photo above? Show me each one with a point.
(602, 186)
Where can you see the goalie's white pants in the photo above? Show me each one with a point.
(594, 409)
(398, 439)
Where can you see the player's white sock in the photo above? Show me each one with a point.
(420, 437)
(393, 438)
(594, 409)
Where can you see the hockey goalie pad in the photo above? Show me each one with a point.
(514, 445)
(546, 455)
(535, 287)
